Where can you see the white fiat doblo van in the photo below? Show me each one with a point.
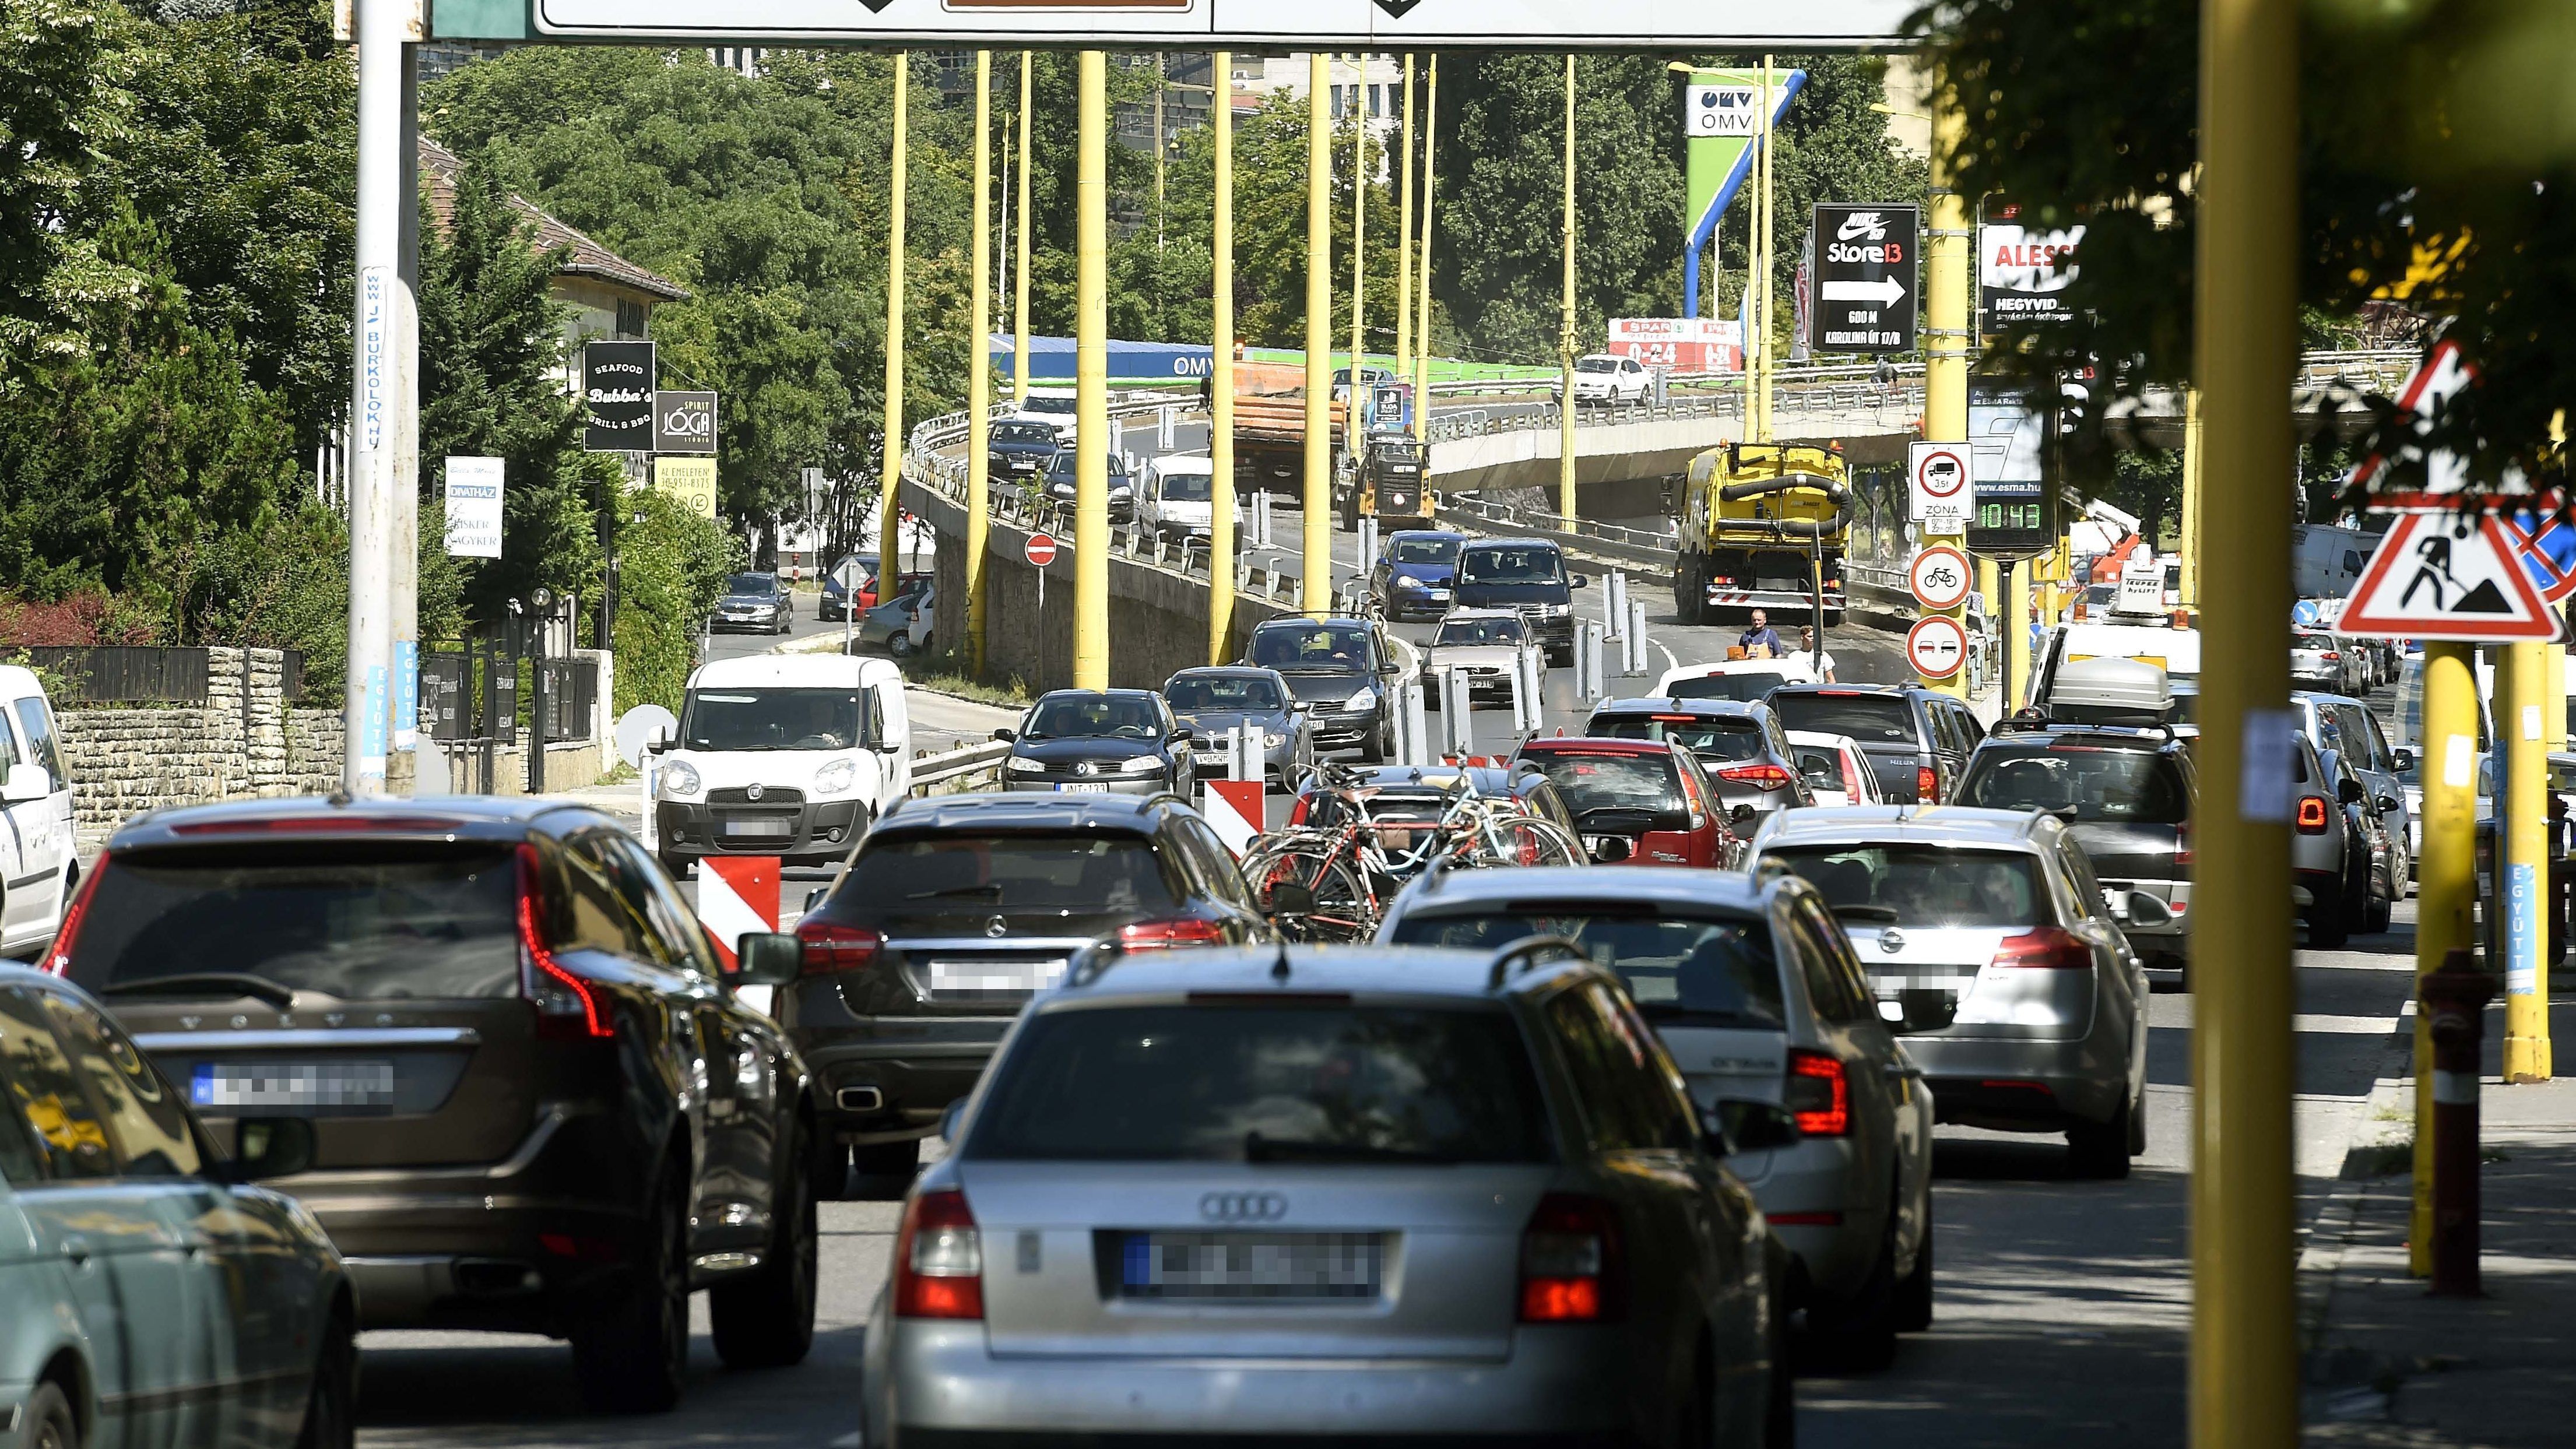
(785, 755)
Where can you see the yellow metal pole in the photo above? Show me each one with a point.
(1565, 320)
(979, 365)
(2524, 881)
(1404, 233)
(1091, 432)
(2013, 617)
(1359, 251)
(2553, 694)
(2446, 883)
(889, 511)
(1945, 317)
(1422, 326)
(1762, 258)
(1318, 555)
(1020, 278)
(2245, 1330)
(2191, 458)
(1221, 377)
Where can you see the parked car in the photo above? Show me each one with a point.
(1210, 702)
(2128, 798)
(1749, 680)
(472, 1000)
(2329, 867)
(39, 858)
(1017, 449)
(1637, 802)
(1754, 990)
(754, 604)
(1837, 769)
(1484, 644)
(901, 625)
(1343, 672)
(1059, 484)
(1361, 1192)
(788, 755)
(1746, 753)
(1097, 742)
(1916, 739)
(136, 1243)
(1415, 572)
(1527, 575)
(1988, 932)
(1604, 378)
(954, 914)
(2345, 727)
(1178, 498)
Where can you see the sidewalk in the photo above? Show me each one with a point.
(2390, 1366)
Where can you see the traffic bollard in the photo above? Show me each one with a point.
(2453, 1001)
(1243, 755)
(1457, 714)
(1416, 744)
(1614, 602)
(1589, 682)
(1636, 636)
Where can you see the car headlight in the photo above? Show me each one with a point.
(679, 778)
(1140, 765)
(1408, 582)
(1023, 765)
(836, 777)
(1365, 699)
(1554, 611)
(1273, 738)
(1122, 491)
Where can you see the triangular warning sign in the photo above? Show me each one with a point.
(2429, 581)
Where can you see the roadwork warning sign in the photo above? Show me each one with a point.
(2434, 577)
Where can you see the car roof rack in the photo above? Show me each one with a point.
(1529, 953)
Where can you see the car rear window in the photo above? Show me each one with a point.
(1746, 686)
(1925, 885)
(1264, 1082)
(2114, 786)
(1870, 719)
(1713, 739)
(359, 921)
(1611, 782)
(1681, 970)
(941, 874)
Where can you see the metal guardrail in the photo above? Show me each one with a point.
(959, 764)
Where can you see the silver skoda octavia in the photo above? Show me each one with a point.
(1383, 1192)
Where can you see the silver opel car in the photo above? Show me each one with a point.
(1369, 1191)
(1986, 931)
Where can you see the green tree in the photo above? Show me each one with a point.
(670, 568)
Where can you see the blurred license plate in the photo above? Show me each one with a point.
(1209, 757)
(1084, 787)
(760, 827)
(249, 1086)
(985, 978)
(1255, 1266)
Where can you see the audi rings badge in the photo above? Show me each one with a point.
(1243, 1207)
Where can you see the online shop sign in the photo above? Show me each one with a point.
(1684, 344)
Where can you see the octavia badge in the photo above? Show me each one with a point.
(751, 792)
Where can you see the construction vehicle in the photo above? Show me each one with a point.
(1386, 478)
(1764, 526)
(1392, 483)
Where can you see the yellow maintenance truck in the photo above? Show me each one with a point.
(1759, 523)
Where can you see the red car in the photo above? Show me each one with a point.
(1641, 802)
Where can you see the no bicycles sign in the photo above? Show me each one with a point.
(1939, 577)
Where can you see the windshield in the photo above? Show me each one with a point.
(770, 718)
(1038, 404)
(1596, 364)
(1682, 971)
(1612, 782)
(1023, 433)
(1748, 686)
(1870, 719)
(1710, 739)
(1264, 1082)
(2128, 787)
(1926, 885)
(752, 584)
(1479, 631)
(1194, 693)
(1188, 487)
(1298, 649)
(1426, 551)
(1531, 565)
(357, 920)
(951, 874)
(1126, 717)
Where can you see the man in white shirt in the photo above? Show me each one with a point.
(1824, 662)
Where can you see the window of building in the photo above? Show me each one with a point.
(630, 319)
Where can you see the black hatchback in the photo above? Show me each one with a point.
(537, 1106)
(955, 911)
(1097, 742)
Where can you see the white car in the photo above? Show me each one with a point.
(1836, 769)
(38, 857)
(787, 755)
(1602, 377)
(1052, 406)
(1176, 496)
(1742, 679)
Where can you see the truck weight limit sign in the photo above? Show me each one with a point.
(1939, 498)
(1866, 298)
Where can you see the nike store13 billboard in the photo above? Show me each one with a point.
(1866, 299)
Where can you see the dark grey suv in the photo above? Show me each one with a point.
(1917, 739)
(1342, 672)
(1741, 746)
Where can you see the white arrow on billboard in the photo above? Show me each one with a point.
(2427, 582)
(1885, 292)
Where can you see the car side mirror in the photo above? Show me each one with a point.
(1184, 735)
(267, 1147)
(2387, 802)
(766, 958)
(1612, 850)
(657, 745)
(1006, 735)
(814, 898)
(2403, 760)
(1741, 818)
(1741, 1125)
(949, 1119)
(26, 781)
(2349, 791)
(1580, 581)
(2137, 908)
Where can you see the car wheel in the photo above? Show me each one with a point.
(766, 1320)
(2356, 898)
(900, 645)
(50, 1424)
(885, 1169)
(331, 1409)
(1780, 1393)
(1862, 1334)
(630, 1359)
(2375, 915)
(2138, 1123)
(1914, 1290)
(828, 1171)
(2101, 1149)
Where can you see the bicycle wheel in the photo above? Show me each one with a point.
(1508, 840)
(1340, 909)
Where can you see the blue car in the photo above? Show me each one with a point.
(1416, 573)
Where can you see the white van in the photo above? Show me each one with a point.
(783, 754)
(39, 859)
(1178, 496)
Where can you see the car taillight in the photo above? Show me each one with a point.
(1927, 783)
(58, 956)
(1162, 935)
(1818, 1094)
(2182, 846)
(831, 948)
(2332, 655)
(1760, 777)
(2312, 815)
(1570, 1261)
(2050, 948)
(939, 1259)
(568, 1007)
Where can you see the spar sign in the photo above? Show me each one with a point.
(1684, 344)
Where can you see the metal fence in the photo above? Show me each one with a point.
(121, 674)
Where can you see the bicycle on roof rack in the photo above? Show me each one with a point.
(1330, 882)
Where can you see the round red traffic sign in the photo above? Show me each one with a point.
(1936, 646)
(1939, 577)
(1040, 550)
(1942, 472)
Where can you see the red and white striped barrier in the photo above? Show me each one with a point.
(736, 894)
(1234, 808)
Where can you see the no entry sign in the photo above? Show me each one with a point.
(1040, 550)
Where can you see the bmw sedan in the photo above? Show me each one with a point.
(1211, 703)
(1097, 742)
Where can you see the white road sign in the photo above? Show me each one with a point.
(1940, 498)
(1940, 577)
(2427, 582)
(474, 507)
(1936, 646)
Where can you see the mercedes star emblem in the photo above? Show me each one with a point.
(997, 927)
(751, 792)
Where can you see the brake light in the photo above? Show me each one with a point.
(58, 957)
(2050, 947)
(568, 1007)
(831, 947)
(1818, 1093)
(1927, 783)
(1570, 1261)
(1164, 935)
(939, 1259)
(2312, 815)
(1760, 777)
(2332, 655)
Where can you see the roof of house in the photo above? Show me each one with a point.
(440, 167)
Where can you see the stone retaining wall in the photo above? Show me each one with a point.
(126, 761)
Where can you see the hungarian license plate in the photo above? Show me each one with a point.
(1209, 757)
(1251, 1266)
(770, 829)
(304, 1086)
(1084, 787)
(972, 978)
